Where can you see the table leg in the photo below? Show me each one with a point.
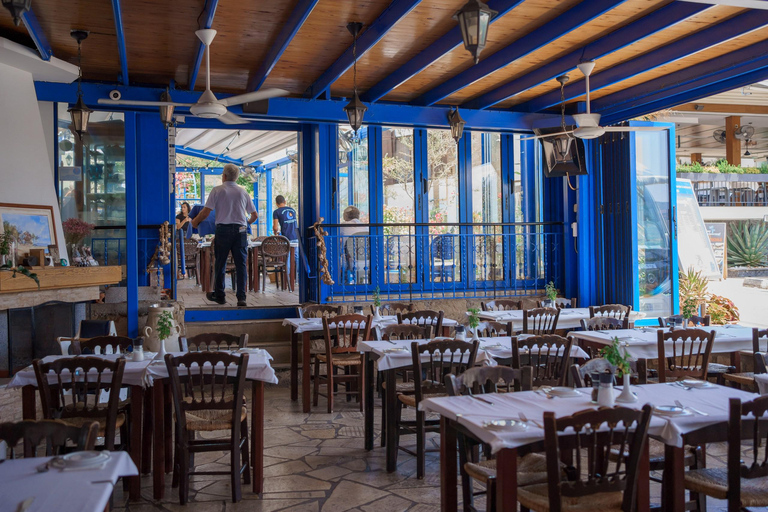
(292, 277)
(28, 406)
(137, 421)
(257, 435)
(368, 400)
(146, 445)
(168, 422)
(736, 361)
(448, 466)
(294, 365)
(250, 269)
(644, 482)
(673, 486)
(158, 466)
(256, 284)
(391, 404)
(306, 394)
(506, 480)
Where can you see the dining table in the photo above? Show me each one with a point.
(308, 328)
(700, 421)
(151, 412)
(570, 318)
(393, 356)
(62, 490)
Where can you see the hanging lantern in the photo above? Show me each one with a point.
(473, 20)
(17, 8)
(80, 113)
(166, 111)
(457, 124)
(562, 148)
(355, 109)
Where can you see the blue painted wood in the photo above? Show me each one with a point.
(371, 35)
(297, 18)
(648, 25)
(563, 24)
(131, 224)
(701, 40)
(270, 201)
(120, 33)
(210, 156)
(433, 52)
(38, 36)
(207, 21)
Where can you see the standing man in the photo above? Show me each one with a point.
(231, 203)
(284, 222)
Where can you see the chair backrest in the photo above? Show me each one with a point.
(540, 321)
(202, 381)
(211, 341)
(489, 379)
(52, 435)
(405, 332)
(423, 317)
(502, 305)
(442, 358)
(71, 387)
(690, 350)
(275, 246)
(693, 321)
(319, 311)
(393, 308)
(93, 328)
(560, 303)
(102, 345)
(489, 329)
(594, 436)
(604, 323)
(343, 332)
(190, 249)
(756, 335)
(746, 421)
(549, 355)
(357, 246)
(614, 310)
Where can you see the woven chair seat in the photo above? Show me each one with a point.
(402, 387)
(410, 400)
(536, 497)
(744, 379)
(212, 419)
(317, 346)
(531, 469)
(342, 359)
(656, 450)
(80, 421)
(717, 368)
(714, 482)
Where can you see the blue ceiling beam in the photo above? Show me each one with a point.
(277, 163)
(372, 34)
(207, 21)
(117, 13)
(298, 16)
(433, 52)
(715, 70)
(38, 36)
(199, 153)
(570, 20)
(701, 40)
(646, 26)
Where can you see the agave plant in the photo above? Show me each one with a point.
(748, 245)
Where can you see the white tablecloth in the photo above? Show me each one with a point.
(642, 343)
(302, 325)
(762, 383)
(570, 318)
(473, 413)
(61, 491)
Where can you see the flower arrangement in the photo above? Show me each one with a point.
(550, 290)
(164, 326)
(377, 297)
(75, 230)
(474, 319)
(618, 356)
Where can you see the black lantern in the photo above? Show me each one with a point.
(17, 8)
(80, 113)
(166, 111)
(473, 19)
(457, 124)
(562, 148)
(355, 109)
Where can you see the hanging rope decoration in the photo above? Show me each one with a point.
(320, 233)
(162, 254)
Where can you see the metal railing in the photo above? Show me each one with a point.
(112, 251)
(732, 193)
(429, 261)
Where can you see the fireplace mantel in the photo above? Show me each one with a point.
(65, 284)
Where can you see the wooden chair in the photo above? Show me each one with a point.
(581, 375)
(613, 310)
(743, 483)
(274, 253)
(214, 341)
(489, 379)
(693, 321)
(690, 348)
(550, 359)
(595, 482)
(434, 319)
(489, 329)
(87, 329)
(342, 334)
(207, 392)
(53, 435)
(560, 303)
(319, 311)
(502, 305)
(604, 323)
(747, 379)
(102, 345)
(441, 358)
(191, 249)
(540, 321)
(393, 308)
(76, 401)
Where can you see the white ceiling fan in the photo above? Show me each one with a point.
(588, 124)
(208, 106)
(747, 4)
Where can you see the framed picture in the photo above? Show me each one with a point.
(31, 226)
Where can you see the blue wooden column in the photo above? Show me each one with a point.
(131, 224)
(270, 201)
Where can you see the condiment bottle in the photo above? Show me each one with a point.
(605, 396)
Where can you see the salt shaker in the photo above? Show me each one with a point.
(138, 350)
(595, 385)
(460, 334)
(605, 396)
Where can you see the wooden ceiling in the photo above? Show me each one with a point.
(161, 45)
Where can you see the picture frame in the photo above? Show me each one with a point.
(33, 225)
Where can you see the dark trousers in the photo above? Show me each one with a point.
(230, 239)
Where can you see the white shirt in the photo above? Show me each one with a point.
(353, 230)
(231, 203)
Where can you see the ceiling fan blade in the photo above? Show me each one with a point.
(230, 118)
(545, 136)
(747, 4)
(105, 101)
(634, 128)
(263, 94)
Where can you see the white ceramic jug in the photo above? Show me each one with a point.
(151, 341)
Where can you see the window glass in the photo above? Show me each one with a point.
(211, 181)
(187, 186)
(399, 201)
(353, 171)
(443, 203)
(486, 205)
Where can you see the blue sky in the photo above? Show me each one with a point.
(35, 224)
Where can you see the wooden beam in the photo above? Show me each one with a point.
(732, 144)
(722, 108)
(695, 157)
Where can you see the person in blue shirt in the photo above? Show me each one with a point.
(285, 222)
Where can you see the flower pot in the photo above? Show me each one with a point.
(151, 340)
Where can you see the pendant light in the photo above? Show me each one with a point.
(166, 111)
(355, 109)
(17, 8)
(746, 144)
(473, 20)
(80, 112)
(457, 124)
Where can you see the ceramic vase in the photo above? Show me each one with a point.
(151, 340)
(377, 314)
(626, 395)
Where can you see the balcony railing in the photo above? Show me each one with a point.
(437, 261)
(729, 189)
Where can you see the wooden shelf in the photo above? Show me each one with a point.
(54, 278)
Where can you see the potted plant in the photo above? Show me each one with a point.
(161, 328)
(617, 354)
(376, 304)
(551, 292)
(5, 247)
(473, 321)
